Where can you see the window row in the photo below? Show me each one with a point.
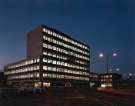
(45, 75)
(26, 69)
(81, 62)
(106, 76)
(56, 69)
(54, 55)
(106, 80)
(64, 45)
(61, 63)
(64, 38)
(29, 75)
(104, 85)
(24, 63)
(65, 51)
(46, 53)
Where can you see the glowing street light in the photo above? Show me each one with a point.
(110, 70)
(101, 55)
(130, 74)
(114, 54)
(117, 69)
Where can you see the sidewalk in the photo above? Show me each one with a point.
(121, 92)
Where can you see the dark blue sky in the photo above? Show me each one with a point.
(106, 25)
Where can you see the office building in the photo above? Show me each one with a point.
(53, 59)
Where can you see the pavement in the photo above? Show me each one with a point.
(65, 97)
(122, 92)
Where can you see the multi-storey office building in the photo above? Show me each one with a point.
(53, 58)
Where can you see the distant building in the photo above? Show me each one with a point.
(2, 79)
(127, 83)
(94, 80)
(110, 80)
(53, 59)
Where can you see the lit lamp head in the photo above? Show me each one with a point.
(110, 70)
(101, 55)
(114, 54)
(130, 74)
(117, 69)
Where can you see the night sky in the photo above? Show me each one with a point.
(106, 25)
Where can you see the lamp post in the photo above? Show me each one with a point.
(101, 55)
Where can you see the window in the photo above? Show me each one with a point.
(44, 67)
(66, 64)
(54, 69)
(54, 41)
(49, 61)
(37, 74)
(37, 60)
(54, 34)
(50, 46)
(37, 67)
(44, 75)
(44, 45)
(49, 32)
(54, 48)
(50, 68)
(45, 53)
(49, 39)
(49, 54)
(44, 37)
(54, 62)
(44, 30)
(45, 60)
(54, 55)
(58, 62)
(26, 62)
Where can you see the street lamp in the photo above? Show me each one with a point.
(110, 70)
(114, 54)
(130, 74)
(101, 55)
(117, 69)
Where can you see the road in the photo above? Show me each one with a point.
(64, 97)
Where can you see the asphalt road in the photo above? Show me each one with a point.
(64, 97)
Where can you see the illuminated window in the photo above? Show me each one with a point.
(44, 30)
(54, 55)
(37, 60)
(45, 60)
(54, 69)
(54, 48)
(37, 74)
(45, 53)
(54, 62)
(50, 46)
(45, 67)
(50, 68)
(49, 61)
(54, 34)
(44, 37)
(49, 32)
(44, 45)
(49, 54)
(37, 67)
(44, 75)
